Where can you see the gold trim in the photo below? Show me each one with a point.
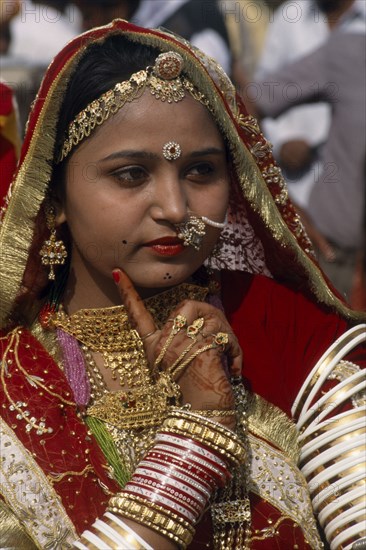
(277, 480)
(270, 423)
(13, 534)
(27, 197)
(30, 496)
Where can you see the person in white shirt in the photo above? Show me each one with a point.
(199, 22)
(299, 28)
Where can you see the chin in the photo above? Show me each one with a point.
(151, 287)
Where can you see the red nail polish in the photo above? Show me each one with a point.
(116, 276)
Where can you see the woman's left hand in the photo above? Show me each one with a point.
(204, 381)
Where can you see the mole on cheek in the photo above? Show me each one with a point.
(167, 276)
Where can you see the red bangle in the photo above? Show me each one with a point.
(219, 476)
(164, 502)
(181, 469)
(170, 490)
(220, 464)
(149, 468)
(210, 477)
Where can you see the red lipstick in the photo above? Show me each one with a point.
(166, 246)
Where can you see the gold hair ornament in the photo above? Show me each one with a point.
(164, 81)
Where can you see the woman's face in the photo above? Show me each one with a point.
(124, 198)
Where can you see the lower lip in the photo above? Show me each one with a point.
(167, 250)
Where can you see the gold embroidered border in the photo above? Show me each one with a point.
(13, 534)
(270, 423)
(277, 480)
(29, 495)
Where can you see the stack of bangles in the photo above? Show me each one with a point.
(192, 456)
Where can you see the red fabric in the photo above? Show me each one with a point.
(69, 448)
(281, 332)
(282, 335)
(8, 140)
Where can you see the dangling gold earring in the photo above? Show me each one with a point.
(52, 252)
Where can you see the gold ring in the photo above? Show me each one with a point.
(221, 339)
(179, 322)
(147, 335)
(194, 328)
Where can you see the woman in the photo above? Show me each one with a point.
(176, 266)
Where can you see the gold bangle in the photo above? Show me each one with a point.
(154, 516)
(235, 455)
(120, 500)
(211, 433)
(215, 413)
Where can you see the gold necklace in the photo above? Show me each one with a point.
(107, 331)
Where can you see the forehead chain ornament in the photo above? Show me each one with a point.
(164, 80)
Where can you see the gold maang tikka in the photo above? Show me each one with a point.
(164, 81)
(53, 252)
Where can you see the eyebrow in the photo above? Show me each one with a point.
(135, 154)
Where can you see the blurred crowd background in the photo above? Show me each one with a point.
(299, 65)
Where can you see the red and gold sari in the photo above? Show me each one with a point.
(55, 480)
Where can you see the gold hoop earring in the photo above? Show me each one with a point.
(53, 252)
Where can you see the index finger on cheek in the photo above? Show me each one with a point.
(139, 317)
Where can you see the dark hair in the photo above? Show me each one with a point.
(103, 65)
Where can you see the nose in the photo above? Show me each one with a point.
(169, 201)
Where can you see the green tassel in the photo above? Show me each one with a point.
(106, 443)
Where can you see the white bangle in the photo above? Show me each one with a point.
(90, 537)
(330, 436)
(341, 466)
(118, 521)
(345, 518)
(338, 419)
(351, 479)
(325, 404)
(349, 533)
(351, 338)
(341, 503)
(359, 544)
(109, 532)
(330, 454)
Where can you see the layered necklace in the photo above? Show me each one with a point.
(132, 413)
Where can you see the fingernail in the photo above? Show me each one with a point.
(116, 276)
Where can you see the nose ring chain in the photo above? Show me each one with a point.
(193, 230)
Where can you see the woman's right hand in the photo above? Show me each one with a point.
(204, 381)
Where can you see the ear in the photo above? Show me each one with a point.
(60, 216)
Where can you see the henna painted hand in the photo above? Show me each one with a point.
(204, 379)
